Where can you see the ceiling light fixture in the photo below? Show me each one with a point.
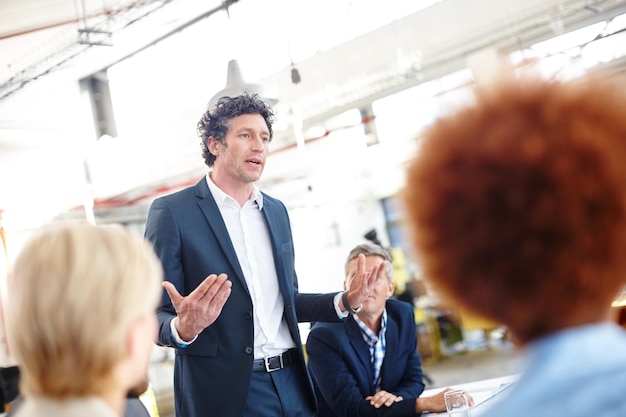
(235, 86)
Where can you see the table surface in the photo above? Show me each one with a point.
(482, 391)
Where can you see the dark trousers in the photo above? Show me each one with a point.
(279, 393)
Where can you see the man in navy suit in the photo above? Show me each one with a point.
(369, 364)
(231, 306)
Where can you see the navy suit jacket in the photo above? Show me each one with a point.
(339, 362)
(212, 375)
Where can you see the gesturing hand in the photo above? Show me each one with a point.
(201, 307)
(362, 285)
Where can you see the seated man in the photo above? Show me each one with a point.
(369, 365)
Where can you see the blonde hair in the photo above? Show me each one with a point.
(75, 291)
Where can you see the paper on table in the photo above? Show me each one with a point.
(479, 398)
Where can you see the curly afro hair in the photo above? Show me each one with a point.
(517, 204)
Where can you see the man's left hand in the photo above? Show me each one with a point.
(383, 398)
(362, 285)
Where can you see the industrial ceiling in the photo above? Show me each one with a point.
(66, 40)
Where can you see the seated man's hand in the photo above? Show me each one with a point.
(436, 403)
(383, 398)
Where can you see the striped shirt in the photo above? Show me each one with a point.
(377, 344)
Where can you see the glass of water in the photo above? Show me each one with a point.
(457, 403)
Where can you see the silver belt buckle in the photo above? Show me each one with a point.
(266, 360)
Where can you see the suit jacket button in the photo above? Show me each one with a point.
(248, 315)
(248, 350)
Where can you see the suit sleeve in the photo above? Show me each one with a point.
(162, 232)
(337, 385)
(315, 307)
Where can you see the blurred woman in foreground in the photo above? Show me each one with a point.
(81, 319)
(518, 212)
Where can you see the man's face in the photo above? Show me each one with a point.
(383, 289)
(241, 155)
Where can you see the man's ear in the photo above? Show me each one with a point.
(391, 288)
(213, 145)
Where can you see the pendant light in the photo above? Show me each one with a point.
(235, 86)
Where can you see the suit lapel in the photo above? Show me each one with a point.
(273, 230)
(391, 349)
(361, 349)
(212, 214)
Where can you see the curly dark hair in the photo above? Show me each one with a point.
(215, 121)
(517, 205)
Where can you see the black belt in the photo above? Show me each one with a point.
(274, 363)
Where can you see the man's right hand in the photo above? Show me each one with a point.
(436, 403)
(201, 307)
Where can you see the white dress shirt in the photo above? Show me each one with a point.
(250, 237)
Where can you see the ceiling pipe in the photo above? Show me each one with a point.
(14, 84)
(225, 5)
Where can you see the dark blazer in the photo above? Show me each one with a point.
(339, 362)
(135, 408)
(212, 375)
